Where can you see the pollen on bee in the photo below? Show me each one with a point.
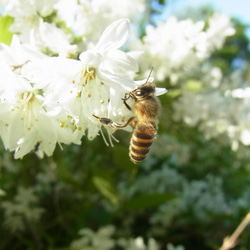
(133, 123)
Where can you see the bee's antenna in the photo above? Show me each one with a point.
(150, 74)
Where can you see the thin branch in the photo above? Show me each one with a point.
(230, 242)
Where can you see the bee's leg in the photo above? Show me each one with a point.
(126, 97)
(128, 107)
(108, 122)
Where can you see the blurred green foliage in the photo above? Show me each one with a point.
(5, 34)
(190, 191)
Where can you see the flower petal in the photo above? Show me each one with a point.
(114, 36)
(121, 62)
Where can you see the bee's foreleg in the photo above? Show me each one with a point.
(108, 122)
(128, 107)
(126, 97)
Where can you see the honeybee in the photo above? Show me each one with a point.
(146, 109)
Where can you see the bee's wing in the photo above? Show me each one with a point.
(160, 91)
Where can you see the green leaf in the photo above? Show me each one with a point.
(106, 189)
(5, 34)
(173, 93)
(121, 158)
(144, 201)
(193, 85)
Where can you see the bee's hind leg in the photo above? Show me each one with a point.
(110, 123)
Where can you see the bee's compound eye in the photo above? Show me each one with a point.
(138, 92)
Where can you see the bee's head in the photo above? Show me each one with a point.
(147, 89)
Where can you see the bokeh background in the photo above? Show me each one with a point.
(191, 191)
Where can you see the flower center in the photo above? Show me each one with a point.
(70, 123)
(88, 75)
(28, 107)
(26, 98)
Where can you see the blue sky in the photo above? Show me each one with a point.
(234, 8)
(237, 8)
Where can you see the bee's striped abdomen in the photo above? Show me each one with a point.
(141, 141)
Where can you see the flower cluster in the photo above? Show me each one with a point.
(89, 18)
(53, 25)
(204, 196)
(183, 44)
(22, 209)
(103, 239)
(49, 100)
(220, 106)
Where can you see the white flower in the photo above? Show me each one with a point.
(18, 8)
(31, 28)
(53, 100)
(170, 246)
(102, 239)
(23, 116)
(55, 39)
(89, 18)
(26, 15)
(219, 28)
(57, 77)
(25, 121)
(107, 57)
(241, 93)
(95, 84)
(138, 244)
(106, 72)
(182, 46)
(17, 55)
(220, 107)
(245, 137)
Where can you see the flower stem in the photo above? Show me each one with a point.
(230, 242)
